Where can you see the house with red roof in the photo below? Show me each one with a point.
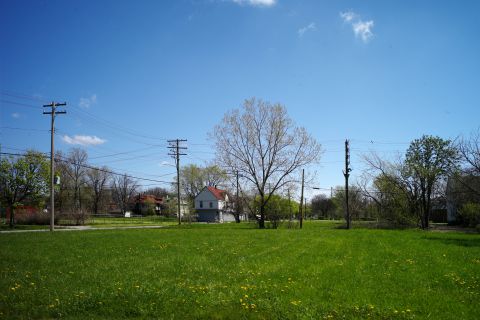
(212, 205)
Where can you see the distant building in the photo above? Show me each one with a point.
(212, 205)
(144, 203)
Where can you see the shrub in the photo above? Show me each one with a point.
(469, 214)
(38, 218)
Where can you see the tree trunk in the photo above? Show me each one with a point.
(12, 217)
(261, 222)
(237, 217)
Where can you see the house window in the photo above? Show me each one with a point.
(201, 204)
(211, 204)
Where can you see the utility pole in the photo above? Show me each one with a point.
(301, 199)
(175, 153)
(305, 207)
(289, 204)
(346, 174)
(237, 209)
(53, 112)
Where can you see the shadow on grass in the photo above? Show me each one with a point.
(462, 242)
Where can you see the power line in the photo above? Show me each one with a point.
(93, 168)
(23, 129)
(20, 104)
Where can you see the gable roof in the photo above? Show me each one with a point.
(219, 194)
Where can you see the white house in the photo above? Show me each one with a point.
(212, 205)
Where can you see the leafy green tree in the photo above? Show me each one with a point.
(428, 160)
(323, 207)
(277, 209)
(23, 179)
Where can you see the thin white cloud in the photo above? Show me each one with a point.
(348, 16)
(310, 27)
(361, 29)
(88, 102)
(15, 115)
(256, 3)
(83, 140)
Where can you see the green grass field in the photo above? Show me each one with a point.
(237, 271)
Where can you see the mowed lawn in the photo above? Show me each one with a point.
(237, 271)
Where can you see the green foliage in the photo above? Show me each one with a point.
(234, 271)
(356, 203)
(194, 178)
(149, 207)
(324, 207)
(277, 209)
(393, 202)
(23, 180)
(428, 160)
(469, 214)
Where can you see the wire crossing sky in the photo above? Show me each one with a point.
(136, 74)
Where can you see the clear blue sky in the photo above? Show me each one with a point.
(381, 71)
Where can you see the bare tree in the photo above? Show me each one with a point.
(97, 180)
(262, 143)
(123, 190)
(77, 160)
(470, 152)
(394, 192)
(213, 175)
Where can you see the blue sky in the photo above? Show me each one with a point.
(380, 73)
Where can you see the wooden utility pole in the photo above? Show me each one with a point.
(289, 204)
(305, 207)
(346, 174)
(301, 199)
(237, 209)
(53, 112)
(175, 153)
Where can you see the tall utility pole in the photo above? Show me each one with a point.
(53, 112)
(346, 174)
(175, 153)
(289, 204)
(301, 199)
(237, 209)
(305, 207)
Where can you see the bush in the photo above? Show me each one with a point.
(75, 217)
(34, 219)
(469, 214)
